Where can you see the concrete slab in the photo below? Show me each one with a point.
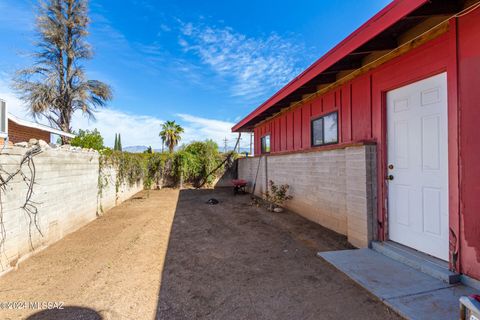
(434, 305)
(417, 260)
(384, 277)
(411, 293)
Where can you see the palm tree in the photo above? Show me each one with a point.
(55, 86)
(170, 134)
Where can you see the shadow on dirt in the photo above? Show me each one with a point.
(67, 313)
(234, 260)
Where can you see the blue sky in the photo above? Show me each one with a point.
(205, 64)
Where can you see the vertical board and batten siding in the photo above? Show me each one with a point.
(468, 31)
(290, 131)
(362, 117)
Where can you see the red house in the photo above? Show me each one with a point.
(377, 139)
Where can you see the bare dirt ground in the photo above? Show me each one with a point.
(168, 255)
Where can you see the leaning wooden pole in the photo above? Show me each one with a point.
(229, 156)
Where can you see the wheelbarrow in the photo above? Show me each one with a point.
(470, 308)
(239, 186)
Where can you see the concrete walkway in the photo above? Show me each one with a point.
(411, 293)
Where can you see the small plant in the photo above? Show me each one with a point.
(277, 195)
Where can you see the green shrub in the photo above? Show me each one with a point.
(191, 164)
(205, 158)
(88, 139)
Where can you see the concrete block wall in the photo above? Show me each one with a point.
(65, 195)
(334, 188)
(361, 195)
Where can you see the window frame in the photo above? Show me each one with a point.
(3, 119)
(270, 143)
(312, 141)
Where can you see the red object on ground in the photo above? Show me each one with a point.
(239, 182)
(476, 297)
(239, 186)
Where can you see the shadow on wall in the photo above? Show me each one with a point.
(67, 313)
(230, 173)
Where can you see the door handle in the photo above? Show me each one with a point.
(390, 177)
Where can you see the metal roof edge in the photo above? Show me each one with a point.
(39, 126)
(386, 17)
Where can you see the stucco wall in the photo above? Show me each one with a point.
(334, 188)
(66, 195)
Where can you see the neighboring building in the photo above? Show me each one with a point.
(18, 130)
(378, 138)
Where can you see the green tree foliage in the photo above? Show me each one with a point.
(55, 86)
(171, 134)
(189, 165)
(88, 139)
(205, 157)
(119, 146)
(149, 150)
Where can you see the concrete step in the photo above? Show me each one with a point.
(411, 293)
(417, 260)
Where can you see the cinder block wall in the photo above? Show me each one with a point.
(334, 188)
(66, 196)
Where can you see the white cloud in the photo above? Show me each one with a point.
(197, 128)
(255, 66)
(135, 129)
(14, 105)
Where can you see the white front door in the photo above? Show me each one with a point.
(417, 122)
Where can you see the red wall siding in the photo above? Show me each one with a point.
(317, 107)
(306, 117)
(329, 102)
(289, 131)
(358, 102)
(283, 130)
(469, 147)
(345, 116)
(362, 116)
(361, 108)
(297, 129)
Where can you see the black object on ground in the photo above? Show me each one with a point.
(212, 201)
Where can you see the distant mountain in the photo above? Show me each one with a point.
(137, 149)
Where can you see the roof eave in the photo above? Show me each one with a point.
(388, 16)
(39, 126)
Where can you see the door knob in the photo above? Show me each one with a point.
(390, 177)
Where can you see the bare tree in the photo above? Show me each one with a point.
(56, 86)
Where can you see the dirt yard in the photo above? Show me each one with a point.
(168, 255)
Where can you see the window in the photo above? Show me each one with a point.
(325, 130)
(3, 119)
(265, 143)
